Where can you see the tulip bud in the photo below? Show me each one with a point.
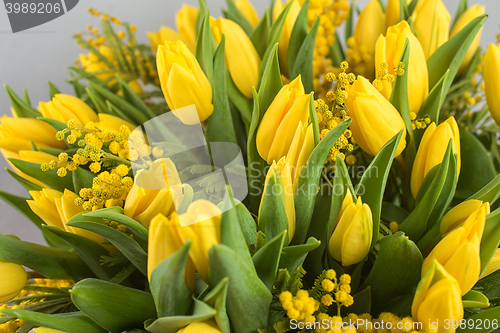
(392, 12)
(286, 32)
(300, 149)
(182, 80)
(432, 149)
(352, 234)
(493, 265)
(431, 22)
(165, 34)
(185, 20)
(464, 19)
(242, 59)
(491, 75)
(438, 298)
(456, 216)
(389, 50)
(374, 119)
(459, 250)
(65, 107)
(108, 122)
(248, 11)
(152, 194)
(289, 108)
(13, 278)
(208, 326)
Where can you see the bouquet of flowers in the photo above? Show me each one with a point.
(271, 174)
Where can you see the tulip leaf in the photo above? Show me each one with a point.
(22, 108)
(71, 322)
(462, 7)
(247, 224)
(82, 178)
(125, 244)
(130, 96)
(26, 97)
(349, 24)
(261, 33)
(28, 186)
(475, 299)
(292, 257)
(114, 307)
(399, 95)
(116, 214)
(362, 303)
(267, 258)
(173, 324)
(434, 101)
(404, 13)
(53, 90)
(205, 46)
(88, 250)
(313, 120)
(491, 238)
(243, 104)
(273, 219)
(307, 185)
(99, 104)
(234, 14)
(449, 56)
(172, 296)
(371, 187)
(271, 82)
(220, 126)
(51, 263)
(49, 177)
(336, 51)
(216, 298)
(248, 298)
(188, 192)
(486, 318)
(303, 64)
(488, 193)
(391, 212)
(477, 167)
(58, 126)
(396, 270)
(299, 34)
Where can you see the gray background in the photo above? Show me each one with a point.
(28, 59)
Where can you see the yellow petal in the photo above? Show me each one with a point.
(491, 75)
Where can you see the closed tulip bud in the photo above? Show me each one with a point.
(208, 326)
(389, 50)
(438, 298)
(300, 149)
(374, 119)
(493, 265)
(286, 33)
(166, 34)
(185, 20)
(491, 75)
(431, 22)
(248, 11)
(65, 107)
(464, 19)
(182, 80)
(13, 278)
(456, 216)
(242, 59)
(289, 108)
(432, 149)
(458, 252)
(31, 156)
(392, 12)
(153, 194)
(108, 122)
(352, 234)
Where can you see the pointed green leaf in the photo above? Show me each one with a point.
(261, 33)
(135, 100)
(434, 101)
(489, 193)
(294, 256)
(53, 89)
(23, 109)
(491, 238)
(243, 104)
(303, 64)
(247, 224)
(234, 14)
(205, 46)
(266, 260)
(82, 178)
(299, 34)
(489, 316)
(29, 186)
(475, 299)
(271, 82)
(216, 298)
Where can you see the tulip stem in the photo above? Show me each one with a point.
(326, 178)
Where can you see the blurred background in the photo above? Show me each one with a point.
(31, 58)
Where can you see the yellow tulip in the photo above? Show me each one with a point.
(389, 49)
(242, 59)
(493, 265)
(65, 107)
(456, 216)
(13, 278)
(438, 298)
(464, 19)
(374, 119)
(166, 34)
(286, 33)
(431, 22)
(289, 108)
(32, 156)
(185, 20)
(108, 122)
(182, 80)
(392, 14)
(300, 149)
(208, 326)
(459, 250)
(47, 330)
(248, 11)
(491, 75)
(153, 194)
(432, 149)
(353, 232)
(285, 172)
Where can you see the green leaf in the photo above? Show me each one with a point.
(349, 24)
(27, 97)
(299, 34)
(488, 316)
(216, 298)
(293, 256)
(23, 109)
(303, 64)
(98, 102)
(491, 238)
(306, 190)
(372, 185)
(462, 7)
(362, 303)
(135, 100)
(403, 10)
(475, 299)
(337, 52)
(391, 212)
(396, 270)
(82, 178)
(114, 307)
(399, 95)
(234, 14)
(342, 181)
(267, 258)
(205, 46)
(29, 186)
(243, 104)
(489, 193)
(172, 296)
(53, 89)
(271, 82)
(51, 263)
(313, 120)
(247, 224)
(434, 101)
(261, 33)
(73, 322)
